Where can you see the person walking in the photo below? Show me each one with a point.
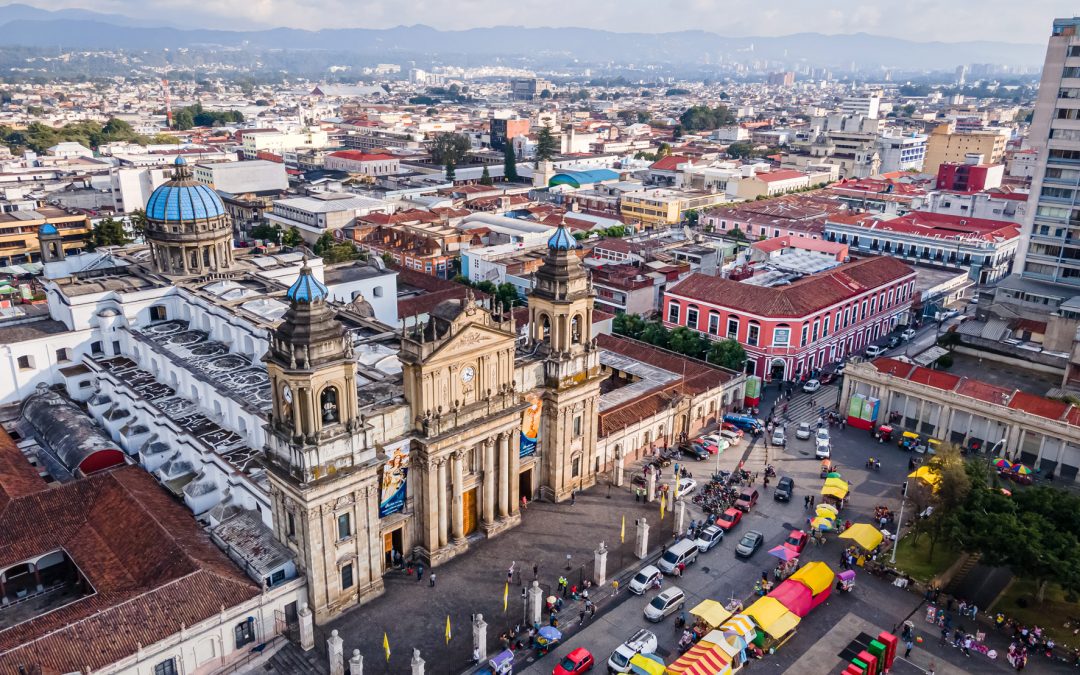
(431, 580)
(573, 497)
(536, 571)
(581, 617)
(419, 572)
(908, 646)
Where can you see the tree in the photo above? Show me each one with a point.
(451, 147)
(292, 237)
(137, 222)
(702, 117)
(450, 170)
(546, 94)
(664, 150)
(737, 234)
(506, 295)
(630, 325)
(688, 342)
(692, 217)
(183, 120)
(546, 145)
(485, 177)
(107, 232)
(267, 232)
(509, 162)
(655, 334)
(727, 353)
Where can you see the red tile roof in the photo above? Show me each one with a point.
(984, 391)
(357, 156)
(1038, 405)
(799, 299)
(669, 163)
(783, 174)
(934, 225)
(152, 568)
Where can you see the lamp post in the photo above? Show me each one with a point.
(899, 522)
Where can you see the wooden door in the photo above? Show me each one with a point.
(469, 509)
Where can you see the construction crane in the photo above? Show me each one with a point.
(168, 102)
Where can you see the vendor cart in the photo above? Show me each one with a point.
(845, 581)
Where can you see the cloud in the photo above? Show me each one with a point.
(954, 21)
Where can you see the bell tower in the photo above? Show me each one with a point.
(560, 325)
(51, 244)
(323, 476)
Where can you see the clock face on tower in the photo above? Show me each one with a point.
(286, 393)
(467, 374)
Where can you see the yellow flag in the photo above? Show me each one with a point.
(622, 532)
(386, 645)
(447, 629)
(676, 488)
(506, 595)
(663, 504)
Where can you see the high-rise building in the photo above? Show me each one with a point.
(1050, 250)
(867, 106)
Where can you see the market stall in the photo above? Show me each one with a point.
(776, 621)
(865, 535)
(834, 492)
(647, 664)
(710, 615)
(806, 589)
(704, 658)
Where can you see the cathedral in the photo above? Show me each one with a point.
(263, 387)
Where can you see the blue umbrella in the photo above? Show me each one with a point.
(550, 633)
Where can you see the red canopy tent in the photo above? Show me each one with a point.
(795, 596)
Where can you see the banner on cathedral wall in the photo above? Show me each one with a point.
(530, 425)
(392, 491)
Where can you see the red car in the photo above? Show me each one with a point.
(728, 519)
(577, 661)
(796, 541)
(728, 426)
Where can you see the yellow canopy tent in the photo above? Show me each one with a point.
(772, 616)
(837, 483)
(711, 612)
(817, 576)
(833, 491)
(863, 534)
(927, 474)
(826, 511)
(639, 663)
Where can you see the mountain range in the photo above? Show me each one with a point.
(22, 25)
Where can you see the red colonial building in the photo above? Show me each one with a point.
(793, 327)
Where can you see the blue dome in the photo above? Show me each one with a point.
(562, 240)
(179, 161)
(307, 288)
(48, 228)
(172, 202)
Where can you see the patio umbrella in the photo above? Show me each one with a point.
(551, 599)
(1003, 464)
(822, 524)
(550, 633)
(1021, 469)
(833, 474)
(863, 534)
(783, 552)
(826, 511)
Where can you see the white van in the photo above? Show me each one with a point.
(684, 551)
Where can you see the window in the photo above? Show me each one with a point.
(167, 667)
(63, 354)
(344, 531)
(714, 323)
(96, 348)
(244, 632)
(825, 327)
(752, 334)
(733, 328)
(814, 333)
(575, 467)
(577, 425)
(377, 291)
(290, 524)
(805, 333)
(157, 313)
(862, 310)
(691, 317)
(673, 312)
(26, 362)
(346, 576)
(116, 348)
(781, 336)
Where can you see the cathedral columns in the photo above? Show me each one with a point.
(504, 479)
(459, 506)
(431, 515)
(514, 477)
(442, 502)
(489, 480)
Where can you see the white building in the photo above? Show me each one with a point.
(323, 212)
(239, 177)
(868, 106)
(901, 152)
(276, 142)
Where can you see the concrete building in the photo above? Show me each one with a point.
(970, 176)
(947, 146)
(660, 208)
(529, 88)
(240, 177)
(323, 212)
(901, 152)
(21, 233)
(866, 106)
(254, 141)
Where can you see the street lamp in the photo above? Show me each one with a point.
(899, 522)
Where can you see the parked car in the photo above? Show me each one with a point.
(728, 519)
(908, 334)
(893, 342)
(810, 386)
(641, 642)
(744, 422)
(728, 426)
(796, 541)
(874, 350)
(686, 487)
(802, 432)
(779, 437)
(683, 552)
(577, 661)
(709, 537)
(665, 604)
(747, 499)
(647, 577)
(822, 449)
(784, 489)
(750, 542)
(731, 437)
(822, 434)
(827, 378)
(697, 451)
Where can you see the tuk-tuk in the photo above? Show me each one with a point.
(500, 664)
(908, 440)
(885, 433)
(932, 446)
(826, 467)
(845, 581)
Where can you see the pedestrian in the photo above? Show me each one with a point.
(811, 501)
(806, 502)
(615, 587)
(573, 497)
(431, 580)
(592, 608)
(524, 502)
(536, 571)
(968, 642)
(908, 646)
(476, 655)
(581, 617)
(766, 481)
(931, 669)
(419, 572)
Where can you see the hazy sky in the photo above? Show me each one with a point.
(924, 20)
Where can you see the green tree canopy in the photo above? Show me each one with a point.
(702, 117)
(509, 162)
(107, 232)
(547, 146)
(292, 237)
(727, 353)
(485, 177)
(449, 148)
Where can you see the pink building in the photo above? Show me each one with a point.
(790, 329)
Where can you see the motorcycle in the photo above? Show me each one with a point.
(873, 463)
(770, 472)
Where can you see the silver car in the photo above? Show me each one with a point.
(709, 537)
(665, 604)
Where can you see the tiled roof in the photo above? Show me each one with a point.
(151, 567)
(669, 163)
(783, 174)
(801, 298)
(357, 156)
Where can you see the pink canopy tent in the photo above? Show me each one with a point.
(795, 596)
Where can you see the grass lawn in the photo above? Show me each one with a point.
(915, 559)
(1051, 615)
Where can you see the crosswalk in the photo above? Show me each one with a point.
(806, 407)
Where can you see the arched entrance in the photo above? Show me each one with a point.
(778, 370)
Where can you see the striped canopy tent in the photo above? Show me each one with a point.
(704, 658)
